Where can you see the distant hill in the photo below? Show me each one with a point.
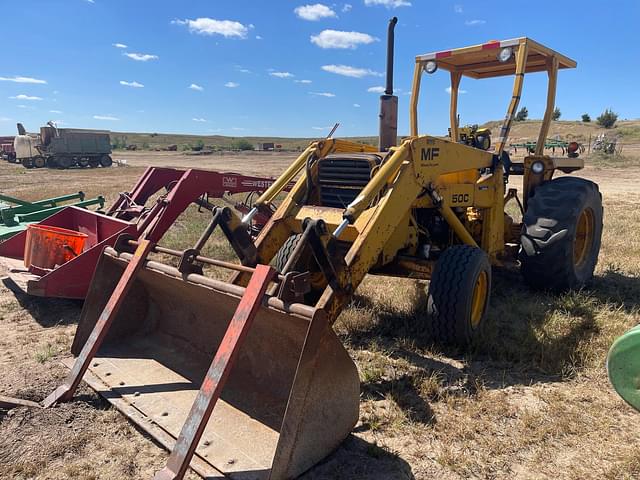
(162, 140)
(627, 130)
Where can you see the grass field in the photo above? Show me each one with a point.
(531, 401)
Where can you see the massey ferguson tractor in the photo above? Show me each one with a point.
(245, 377)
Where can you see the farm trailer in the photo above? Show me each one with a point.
(7, 152)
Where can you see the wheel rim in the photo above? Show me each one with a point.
(479, 299)
(584, 237)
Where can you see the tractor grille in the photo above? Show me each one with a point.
(342, 178)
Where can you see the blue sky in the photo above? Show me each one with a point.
(278, 68)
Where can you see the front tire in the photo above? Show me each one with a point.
(306, 263)
(39, 162)
(458, 295)
(561, 234)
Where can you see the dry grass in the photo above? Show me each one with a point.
(530, 401)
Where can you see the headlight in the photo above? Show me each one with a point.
(505, 54)
(431, 67)
(537, 167)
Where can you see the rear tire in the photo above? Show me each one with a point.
(561, 234)
(94, 162)
(106, 161)
(27, 163)
(458, 295)
(64, 162)
(483, 142)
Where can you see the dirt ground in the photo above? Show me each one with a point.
(533, 401)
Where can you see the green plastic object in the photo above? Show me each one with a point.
(623, 366)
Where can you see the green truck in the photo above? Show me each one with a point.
(63, 148)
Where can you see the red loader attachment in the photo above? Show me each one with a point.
(235, 379)
(129, 215)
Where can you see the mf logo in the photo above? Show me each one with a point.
(430, 153)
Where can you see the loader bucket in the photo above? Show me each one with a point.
(292, 395)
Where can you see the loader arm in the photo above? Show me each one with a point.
(414, 168)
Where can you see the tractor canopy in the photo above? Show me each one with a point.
(495, 58)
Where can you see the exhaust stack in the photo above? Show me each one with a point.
(389, 102)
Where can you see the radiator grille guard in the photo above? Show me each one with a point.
(341, 178)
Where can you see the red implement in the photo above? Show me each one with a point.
(129, 215)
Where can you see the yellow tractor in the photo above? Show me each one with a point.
(474, 136)
(246, 377)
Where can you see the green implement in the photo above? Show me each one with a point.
(623, 365)
(16, 214)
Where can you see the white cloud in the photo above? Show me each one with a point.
(119, 45)
(55, 111)
(314, 12)
(245, 70)
(22, 96)
(323, 128)
(258, 37)
(347, 7)
(460, 91)
(281, 74)
(348, 71)
(195, 86)
(27, 106)
(210, 26)
(231, 85)
(340, 39)
(238, 129)
(5, 119)
(375, 89)
(201, 120)
(133, 84)
(22, 80)
(90, 1)
(141, 57)
(303, 81)
(357, 105)
(471, 23)
(323, 94)
(388, 3)
(106, 117)
(457, 8)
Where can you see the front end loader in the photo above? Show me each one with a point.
(245, 377)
